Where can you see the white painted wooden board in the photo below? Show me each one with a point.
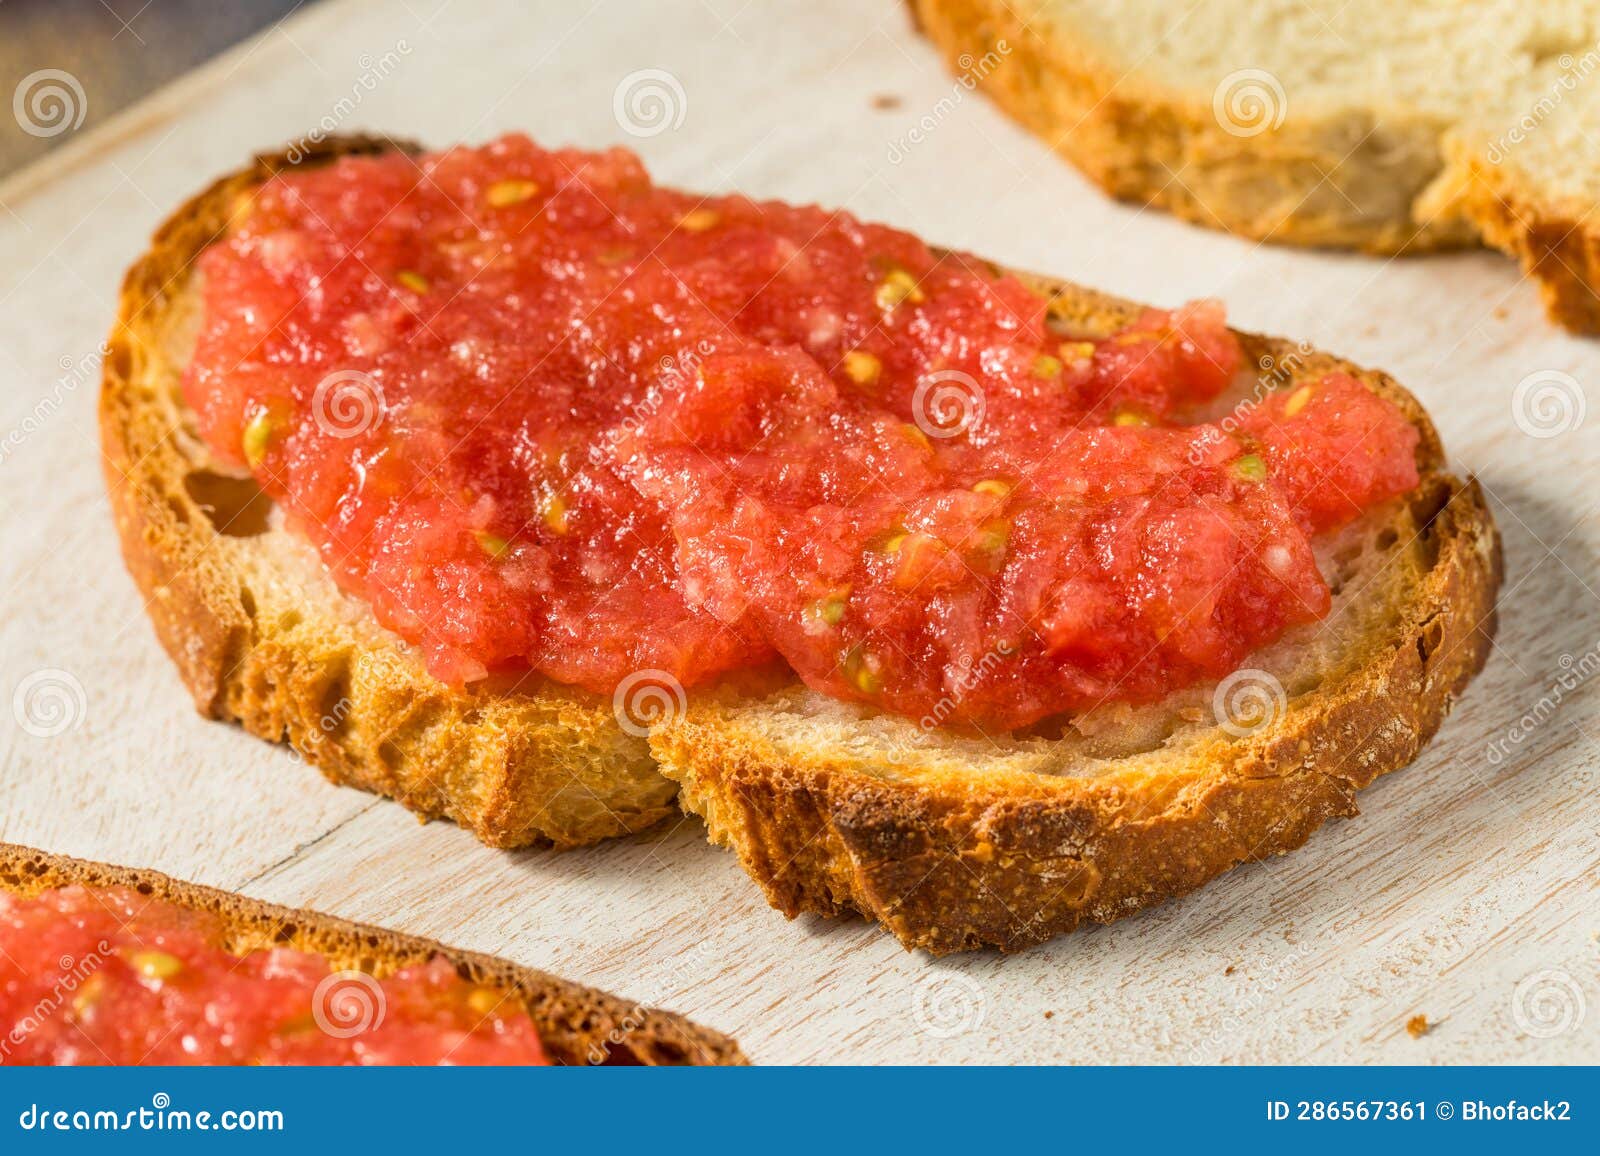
(1466, 892)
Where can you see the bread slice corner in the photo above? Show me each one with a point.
(1527, 176)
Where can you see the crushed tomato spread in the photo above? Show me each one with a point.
(541, 413)
(112, 976)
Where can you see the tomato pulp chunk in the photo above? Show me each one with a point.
(541, 413)
(112, 976)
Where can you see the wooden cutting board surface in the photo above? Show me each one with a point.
(1465, 893)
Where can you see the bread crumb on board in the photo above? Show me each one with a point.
(1418, 1026)
(885, 101)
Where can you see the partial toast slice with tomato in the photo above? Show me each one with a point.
(576, 1024)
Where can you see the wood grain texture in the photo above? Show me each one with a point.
(1473, 872)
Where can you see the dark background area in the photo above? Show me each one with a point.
(119, 51)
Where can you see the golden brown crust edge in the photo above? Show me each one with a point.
(577, 1024)
(521, 764)
(1322, 182)
(957, 868)
(1557, 244)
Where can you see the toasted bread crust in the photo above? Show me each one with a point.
(1334, 181)
(1557, 243)
(950, 865)
(577, 1024)
(526, 762)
